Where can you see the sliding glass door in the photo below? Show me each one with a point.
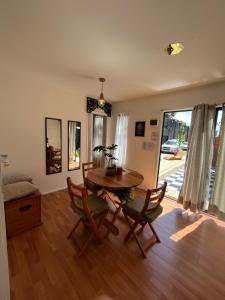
(173, 150)
(173, 153)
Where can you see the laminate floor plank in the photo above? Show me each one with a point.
(189, 263)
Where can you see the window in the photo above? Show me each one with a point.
(121, 138)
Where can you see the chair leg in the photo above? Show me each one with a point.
(94, 233)
(74, 228)
(94, 229)
(132, 228)
(100, 222)
(118, 210)
(154, 232)
(141, 228)
(86, 243)
(95, 225)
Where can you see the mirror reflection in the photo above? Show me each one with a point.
(53, 130)
(74, 130)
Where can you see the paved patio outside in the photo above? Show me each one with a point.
(173, 172)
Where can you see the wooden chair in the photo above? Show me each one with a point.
(142, 212)
(91, 209)
(89, 185)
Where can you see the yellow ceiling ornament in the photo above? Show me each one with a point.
(175, 48)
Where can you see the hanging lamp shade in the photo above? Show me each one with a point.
(101, 99)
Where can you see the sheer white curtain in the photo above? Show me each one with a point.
(194, 193)
(121, 138)
(98, 131)
(218, 197)
(98, 138)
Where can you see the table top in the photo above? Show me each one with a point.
(128, 179)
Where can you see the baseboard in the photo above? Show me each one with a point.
(140, 187)
(55, 190)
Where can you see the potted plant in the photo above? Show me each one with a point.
(108, 152)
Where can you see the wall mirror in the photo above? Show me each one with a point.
(53, 137)
(74, 133)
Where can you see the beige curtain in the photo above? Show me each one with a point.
(194, 192)
(218, 196)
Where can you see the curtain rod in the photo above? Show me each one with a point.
(190, 108)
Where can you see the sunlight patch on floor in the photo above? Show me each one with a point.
(180, 234)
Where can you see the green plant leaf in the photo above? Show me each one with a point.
(99, 148)
(108, 151)
(112, 147)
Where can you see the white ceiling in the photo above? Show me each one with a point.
(122, 40)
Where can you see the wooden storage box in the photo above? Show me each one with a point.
(23, 214)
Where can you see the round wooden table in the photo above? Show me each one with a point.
(128, 179)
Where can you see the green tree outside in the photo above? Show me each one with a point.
(181, 134)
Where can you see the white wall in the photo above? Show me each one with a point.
(144, 109)
(26, 98)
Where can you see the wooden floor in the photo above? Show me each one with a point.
(188, 264)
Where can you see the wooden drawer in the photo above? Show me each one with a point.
(22, 214)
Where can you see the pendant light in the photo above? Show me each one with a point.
(101, 100)
(175, 48)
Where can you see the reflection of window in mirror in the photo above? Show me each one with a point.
(74, 134)
(53, 135)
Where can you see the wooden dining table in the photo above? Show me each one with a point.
(128, 179)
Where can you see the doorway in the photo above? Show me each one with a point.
(173, 150)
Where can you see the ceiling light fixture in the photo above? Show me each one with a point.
(175, 48)
(101, 100)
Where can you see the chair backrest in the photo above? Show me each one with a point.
(155, 196)
(78, 197)
(86, 167)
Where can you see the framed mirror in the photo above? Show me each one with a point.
(74, 134)
(53, 138)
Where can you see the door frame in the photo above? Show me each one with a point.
(161, 137)
(4, 283)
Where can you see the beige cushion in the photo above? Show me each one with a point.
(16, 177)
(18, 190)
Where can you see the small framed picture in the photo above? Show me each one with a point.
(153, 122)
(140, 129)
